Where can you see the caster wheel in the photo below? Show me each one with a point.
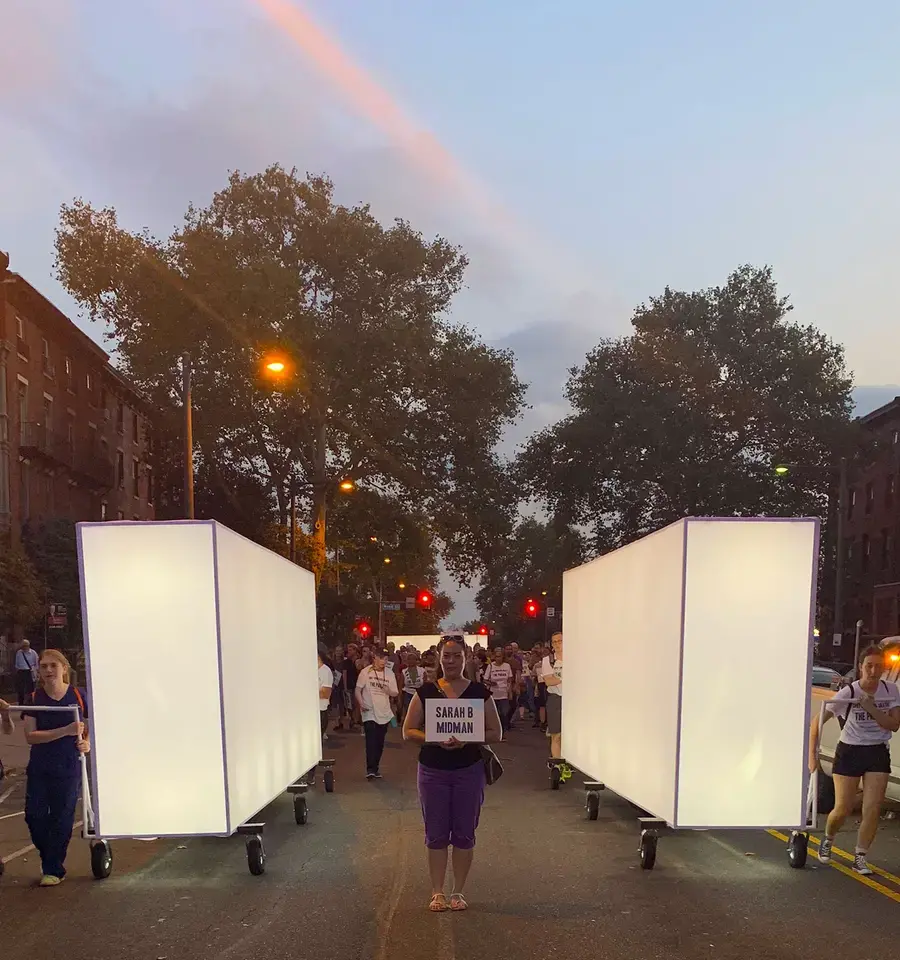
(797, 849)
(593, 806)
(648, 851)
(555, 778)
(256, 856)
(329, 781)
(301, 810)
(101, 859)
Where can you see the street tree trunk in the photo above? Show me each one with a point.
(320, 504)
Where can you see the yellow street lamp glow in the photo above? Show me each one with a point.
(347, 486)
(387, 559)
(373, 539)
(276, 366)
(401, 585)
(781, 469)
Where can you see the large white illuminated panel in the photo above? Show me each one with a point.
(426, 642)
(687, 659)
(185, 624)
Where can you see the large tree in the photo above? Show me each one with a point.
(689, 415)
(23, 596)
(51, 547)
(381, 387)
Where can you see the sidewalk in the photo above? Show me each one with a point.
(14, 749)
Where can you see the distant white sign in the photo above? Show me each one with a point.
(462, 719)
(551, 612)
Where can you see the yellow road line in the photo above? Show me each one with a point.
(849, 856)
(868, 881)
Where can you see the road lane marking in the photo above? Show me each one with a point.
(30, 847)
(849, 856)
(9, 816)
(868, 881)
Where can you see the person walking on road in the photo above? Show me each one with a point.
(326, 687)
(451, 776)
(26, 672)
(413, 678)
(551, 674)
(374, 689)
(869, 710)
(499, 677)
(53, 775)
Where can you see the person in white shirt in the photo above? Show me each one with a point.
(498, 677)
(413, 678)
(26, 664)
(869, 711)
(374, 689)
(551, 675)
(326, 685)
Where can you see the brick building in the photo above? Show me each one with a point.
(75, 436)
(872, 531)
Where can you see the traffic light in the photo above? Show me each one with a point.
(482, 631)
(531, 609)
(424, 599)
(364, 629)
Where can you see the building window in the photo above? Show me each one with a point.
(48, 412)
(89, 382)
(136, 476)
(851, 502)
(137, 428)
(20, 328)
(103, 510)
(22, 402)
(70, 431)
(70, 375)
(120, 417)
(889, 491)
(895, 437)
(149, 485)
(120, 515)
(887, 549)
(46, 365)
(870, 496)
(92, 439)
(865, 551)
(25, 490)
(120, 470)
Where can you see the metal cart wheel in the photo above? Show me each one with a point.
(301, 810)
(329, 781)
(648, 850)
(555, 777)
(797, 849)
(101, 859)
(256, 855)
(592, 805)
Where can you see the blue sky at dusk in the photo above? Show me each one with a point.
(597, 151)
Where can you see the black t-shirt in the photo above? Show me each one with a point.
(58, 758)
(352, 673)
(434, 756)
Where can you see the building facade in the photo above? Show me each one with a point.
(75, 436)
(872, 531)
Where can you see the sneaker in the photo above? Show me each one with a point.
(861, 867)
(370, 775)
(377, 776)
(825, 850)
(50, 881)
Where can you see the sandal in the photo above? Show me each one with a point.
(458, 902)
(438, 903)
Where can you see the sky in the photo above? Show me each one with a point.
(585, 154)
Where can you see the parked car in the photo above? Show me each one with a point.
(823, 676)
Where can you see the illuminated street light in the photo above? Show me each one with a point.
(387, 560)
(401, 585)
(373, 539)
(348, 486)
(276, 366)
(782, 469)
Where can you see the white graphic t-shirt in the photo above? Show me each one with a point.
(860, 729)
(497, 677)
(413, 678)
(376, 687)
(326, 679)
(552, 669)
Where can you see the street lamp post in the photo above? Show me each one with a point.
(188, 436)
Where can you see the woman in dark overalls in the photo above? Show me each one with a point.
(54, 768)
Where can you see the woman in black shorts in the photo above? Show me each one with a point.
(869, 711)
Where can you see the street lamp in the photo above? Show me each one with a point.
(347, 485)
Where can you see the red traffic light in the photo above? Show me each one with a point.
(482, 631)
(531, 608)
(364, 629)
(424, 599)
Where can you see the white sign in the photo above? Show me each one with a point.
(462, 719)
(551, 612)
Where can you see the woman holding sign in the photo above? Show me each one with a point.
(451, 718)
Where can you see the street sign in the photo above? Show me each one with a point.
(57, 618)
(551, 611)
(390, 606)
(410, 603)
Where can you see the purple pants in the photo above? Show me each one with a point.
(451, 805)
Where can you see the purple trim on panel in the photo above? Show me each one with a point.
(810, 645)
(154, 836)
(684, 569)
(753, 520)
(92, 766)
(215, 545)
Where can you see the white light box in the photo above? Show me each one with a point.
(202, 674)
(426, 642)
(687, 659)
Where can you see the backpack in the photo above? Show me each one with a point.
(77, 697)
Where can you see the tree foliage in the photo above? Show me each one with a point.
(51, 547)
(530, 566)
(23, 597)
(383, 388)
(689, 415)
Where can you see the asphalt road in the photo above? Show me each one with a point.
(546, 882)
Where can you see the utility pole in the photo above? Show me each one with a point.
(838, 629)
(293, 493)
(188, 437)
